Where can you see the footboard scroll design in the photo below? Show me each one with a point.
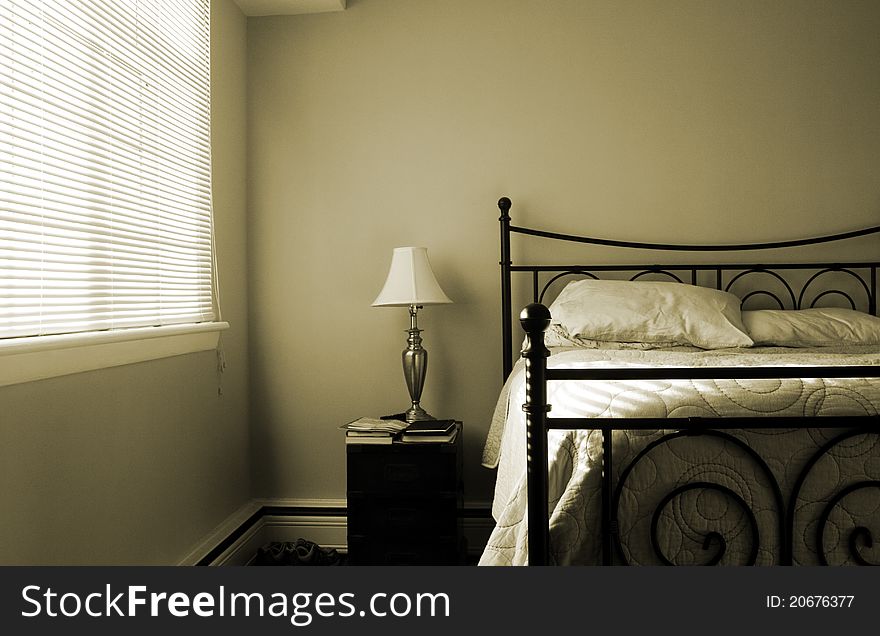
(711, 537)
(694, 428)
(859, 535)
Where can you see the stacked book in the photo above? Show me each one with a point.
(430, 431)
(369, 430)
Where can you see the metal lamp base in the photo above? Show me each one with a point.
(418, 414)
(415, 366)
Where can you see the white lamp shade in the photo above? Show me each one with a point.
(410, 281)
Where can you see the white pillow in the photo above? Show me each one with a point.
(641, 311)
(811, 327)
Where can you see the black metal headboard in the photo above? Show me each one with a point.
(728, 277)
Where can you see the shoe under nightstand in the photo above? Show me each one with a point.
(404, 503)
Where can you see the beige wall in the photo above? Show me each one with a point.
(402, 122)
(137, 464)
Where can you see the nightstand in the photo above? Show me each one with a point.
(403, 503)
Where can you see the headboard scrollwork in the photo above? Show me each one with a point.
(785, 286)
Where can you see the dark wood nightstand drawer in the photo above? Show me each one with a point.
(403, 468)
(370, 551)
(427, 517)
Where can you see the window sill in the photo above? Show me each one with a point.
(39, 358)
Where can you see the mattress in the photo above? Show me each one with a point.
(575, 459)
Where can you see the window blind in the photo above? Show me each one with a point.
(105, 165)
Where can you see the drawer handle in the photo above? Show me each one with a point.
(401, 472)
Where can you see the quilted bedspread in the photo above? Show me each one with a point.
(684, 521)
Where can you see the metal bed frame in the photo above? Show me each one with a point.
(535, 318)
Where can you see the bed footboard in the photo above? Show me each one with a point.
(535, 319)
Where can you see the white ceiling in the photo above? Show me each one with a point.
(289, 7)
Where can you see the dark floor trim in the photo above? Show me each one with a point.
(234, 536)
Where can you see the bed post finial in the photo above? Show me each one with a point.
(535, 319)
(504, 205)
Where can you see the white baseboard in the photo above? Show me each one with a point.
(328, 532)
(291, 519)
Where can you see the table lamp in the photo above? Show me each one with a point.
(411, 283)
